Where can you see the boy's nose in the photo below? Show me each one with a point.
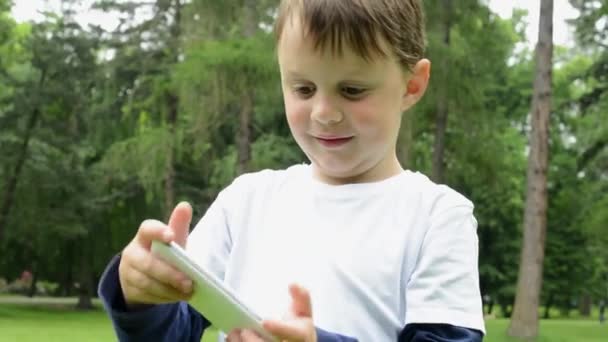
(325, 113)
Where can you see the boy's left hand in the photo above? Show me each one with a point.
(298, 326)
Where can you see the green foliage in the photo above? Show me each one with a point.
(275, 152)
(252, 57)
(143, 156)
(591, 25)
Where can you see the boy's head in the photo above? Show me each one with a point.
(349, 68)
(360, 25)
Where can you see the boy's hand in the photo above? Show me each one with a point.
(297, 326)
(146, 279)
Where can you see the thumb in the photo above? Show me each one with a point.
(179, 222)
(301, 305)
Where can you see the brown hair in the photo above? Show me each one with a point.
(360, 24)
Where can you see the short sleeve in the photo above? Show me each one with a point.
(213, 237)
(210, 241)
(444, 286)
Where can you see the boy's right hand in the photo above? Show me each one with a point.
(145, 278)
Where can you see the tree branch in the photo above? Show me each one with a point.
(591, 153)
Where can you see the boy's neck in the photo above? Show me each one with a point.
(387, 168)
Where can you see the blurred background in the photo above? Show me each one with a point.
(112, 111)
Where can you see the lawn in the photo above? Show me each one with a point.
(553, 330)
(33, 323)
(60, 322)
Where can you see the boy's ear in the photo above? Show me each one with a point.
(416, 84)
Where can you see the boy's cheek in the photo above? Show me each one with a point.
(298, 116)
(371, 110)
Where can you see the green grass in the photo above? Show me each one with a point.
(553, 330)
(57, 320)
(60, 322)
(33, 323)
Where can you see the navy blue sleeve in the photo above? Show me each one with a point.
(417, 333)
(326, 336)
(435, 332)
(166, 322)
(179, 322)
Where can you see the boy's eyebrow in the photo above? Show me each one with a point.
(294, 75)
(356, 76)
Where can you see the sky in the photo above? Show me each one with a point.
(562, 33)
(25, 10)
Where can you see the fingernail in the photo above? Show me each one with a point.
(187, 286)
(168, 236)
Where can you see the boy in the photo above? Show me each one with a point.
(384, 254)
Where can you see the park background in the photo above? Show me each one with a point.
(113, 111)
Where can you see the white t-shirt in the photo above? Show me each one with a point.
(374, 256)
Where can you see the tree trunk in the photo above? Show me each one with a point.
(244, 133)
(86, 276)
(404, 146)
(172, 102)
(172, 109)
(524, 323)
(244, 137)
(8, 196)
(548, 306)
(584, 305)
(506, 311)
(68, 277)
(490, 306)
(32, 290)
(441, 119)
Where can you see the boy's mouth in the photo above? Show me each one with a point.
(333, 141)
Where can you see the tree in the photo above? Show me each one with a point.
(441, 116)
(9, 41)
(229, 65)
(483, 150)
(59, 199)
(244, 138)
(524, 322)
(148, 49)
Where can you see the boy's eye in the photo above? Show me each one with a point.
(304, 91)
(352, 91)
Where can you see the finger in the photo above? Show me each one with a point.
(144, 286)
(137, 296)
(151, 230)
(134, 294)
(301, 305)
(154, 267)
(234, 336)
(294, 330)
(250, 336)
(179, 222)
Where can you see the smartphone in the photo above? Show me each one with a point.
(211, 297)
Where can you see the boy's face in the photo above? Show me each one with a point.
(343, 111)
